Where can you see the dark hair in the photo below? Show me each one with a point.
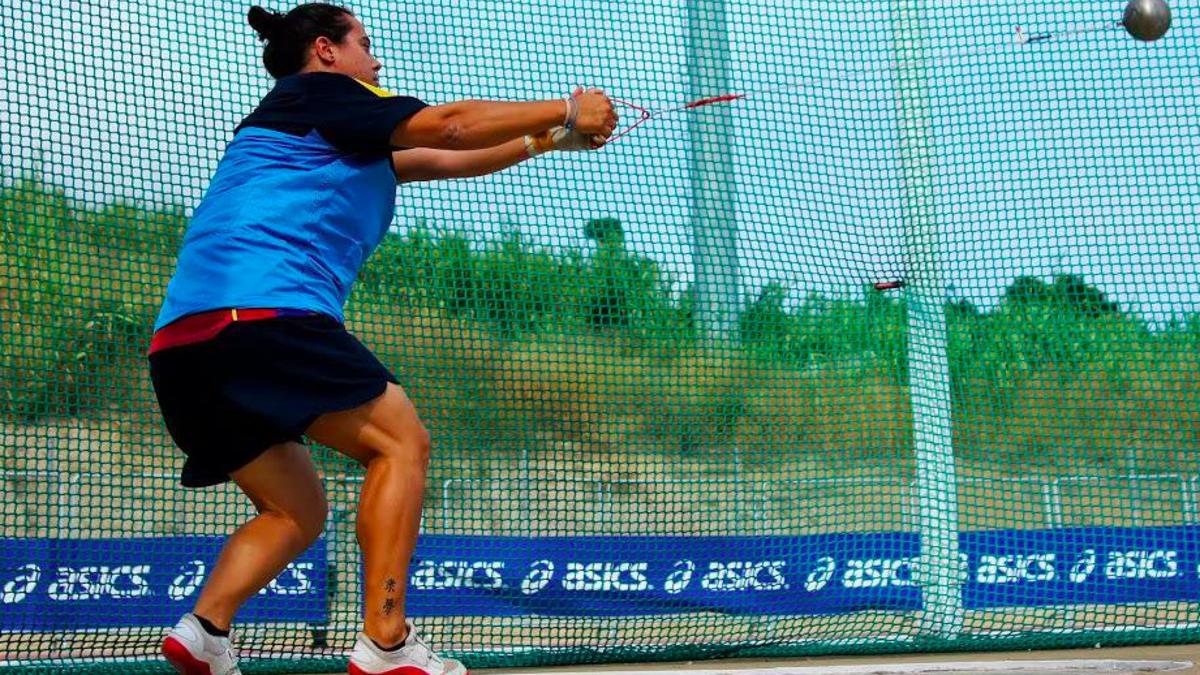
(289, 35)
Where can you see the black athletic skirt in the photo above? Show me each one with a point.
(258, 384)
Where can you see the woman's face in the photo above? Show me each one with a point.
(352, 56)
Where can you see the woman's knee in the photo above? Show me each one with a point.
(284, 483)
(387, 426)
(307, 516)
(315, 517)
(409, 445)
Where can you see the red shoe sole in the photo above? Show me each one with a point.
(182, 660)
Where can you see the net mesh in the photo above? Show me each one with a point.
(899, 353)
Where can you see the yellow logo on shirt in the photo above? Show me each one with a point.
(378, 91)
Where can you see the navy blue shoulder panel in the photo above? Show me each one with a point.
(352, 115)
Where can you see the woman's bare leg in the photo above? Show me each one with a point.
(284, 487)
(387, 437)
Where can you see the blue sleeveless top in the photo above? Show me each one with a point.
(303, 195)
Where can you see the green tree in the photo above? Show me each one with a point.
(1071, 291)
(1067, 291)
(765, 327)
(1025, 290)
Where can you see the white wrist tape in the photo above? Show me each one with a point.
(572, 115)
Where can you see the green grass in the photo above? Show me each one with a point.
(505, 346)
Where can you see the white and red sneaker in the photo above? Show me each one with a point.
(414, 658)
(192, 651)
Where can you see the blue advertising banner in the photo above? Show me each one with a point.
(628, 576)
(822, 574)
(65, 584)
(1108, 565)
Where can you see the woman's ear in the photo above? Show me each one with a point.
(324, 50)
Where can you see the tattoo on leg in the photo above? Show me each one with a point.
(389, 604)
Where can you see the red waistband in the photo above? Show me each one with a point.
(196, 328)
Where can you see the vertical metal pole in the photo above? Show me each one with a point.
(1138, 500)
(67, 486)
(1052, 502)
(320, 631)
(525, 490)
(714, 224)
(941, 571)
(1191, 500)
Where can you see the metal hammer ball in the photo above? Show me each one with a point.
(1147, 20)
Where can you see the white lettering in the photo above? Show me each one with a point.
(879, 573)
(680, 577)
(541, 573)
(1142, 565)
(191, 576)
(21, 585)
(93, 582)
(293, 580)
(129, 581)
(1082, 570)
(821, 574)
(1008, 569)
(606, 576)
(432, 575)
(745, 576)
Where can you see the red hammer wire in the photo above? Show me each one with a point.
(645, 114)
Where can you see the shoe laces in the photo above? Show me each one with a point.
(428, 656)
(232, 670)
(231, 655)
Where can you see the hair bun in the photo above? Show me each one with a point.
(266, 24)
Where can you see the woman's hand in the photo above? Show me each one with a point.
(562, 139)
(596, 116)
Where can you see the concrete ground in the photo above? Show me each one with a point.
(1176, 659)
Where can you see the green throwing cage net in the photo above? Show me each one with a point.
(900, 354)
